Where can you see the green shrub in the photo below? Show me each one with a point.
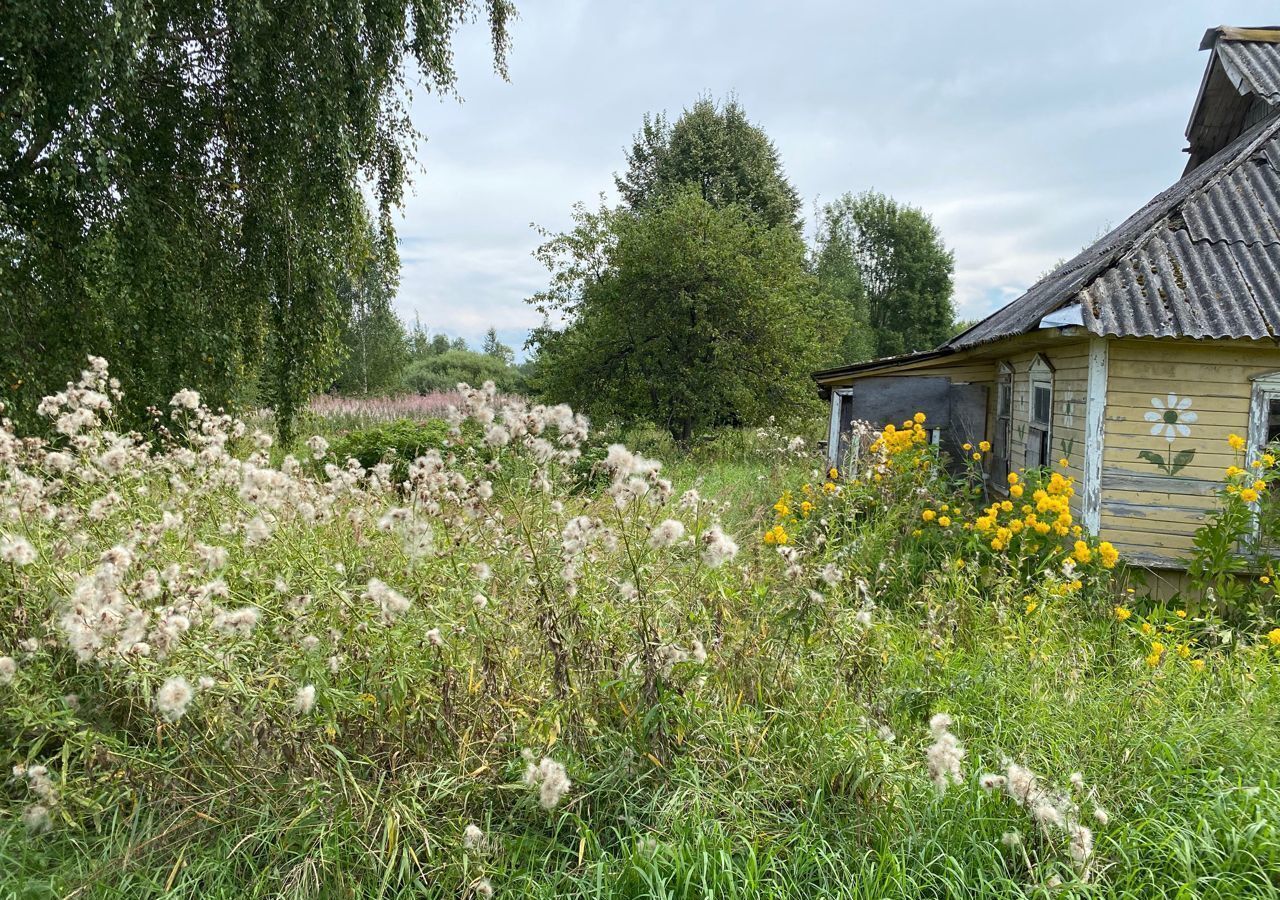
(399, 442)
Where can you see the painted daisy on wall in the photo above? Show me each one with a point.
(1171, 417)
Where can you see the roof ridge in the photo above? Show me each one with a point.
(1076, 276)
(1266, 131)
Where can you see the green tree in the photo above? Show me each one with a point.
(495, 348)
(443, 372)
(683, 313)
(181, 181)
(904, 269)
(843, 297)
(374, 343)
(716, 149)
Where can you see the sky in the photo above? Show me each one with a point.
(1025, 135)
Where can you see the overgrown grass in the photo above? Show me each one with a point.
(768, 770)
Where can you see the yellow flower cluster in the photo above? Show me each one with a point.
(894, 440)
(1049, 512)
(776, 535)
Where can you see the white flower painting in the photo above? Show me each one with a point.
(1171, 417)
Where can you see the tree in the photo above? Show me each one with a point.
(717, 150)
(181, 182)
(683, 313)
(844, 298)
(444, 371)
(904, 269)
(498, 350)
(374, 343)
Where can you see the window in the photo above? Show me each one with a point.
(1264, 432)
(1040, 418)
(1004, 425)
(1264, 413)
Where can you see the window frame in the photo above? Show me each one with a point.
(1265, 389)
(1039, 375)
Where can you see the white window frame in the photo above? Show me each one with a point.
(1265, 389)
(1039, 375)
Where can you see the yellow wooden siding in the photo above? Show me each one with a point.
(1151, 511)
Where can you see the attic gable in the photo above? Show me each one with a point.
(1241, 87)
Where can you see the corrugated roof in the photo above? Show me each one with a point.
(1198, 260)
(1254, 65)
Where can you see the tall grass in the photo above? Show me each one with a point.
(734, 724)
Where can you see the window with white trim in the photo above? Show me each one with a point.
(1264, 433)
(1039, 413)
(1003, 435)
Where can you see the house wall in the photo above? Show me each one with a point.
(1157, 488)
(1070, 363)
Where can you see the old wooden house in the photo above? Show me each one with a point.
(1136, 359)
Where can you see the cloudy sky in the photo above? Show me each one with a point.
(1023, 134)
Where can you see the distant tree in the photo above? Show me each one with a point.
(444, 371)
(495, 348)
(375, 346)
(183, 185)
(904, 269)
(960, 326)
(843, 296)
(683, 313)
(717, 150)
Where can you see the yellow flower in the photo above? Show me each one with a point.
(1082, 553)
(828, 487)
(1249, 495)
(1236, 442)
(1122, 613)
(966, 447)
(1197, 664)
(1183, 651)
(1063, 462)
(1265, 579)
(918, 418)
(928, 515)
(1108, 554)
(1031, 606)
(1268, 460)
(1147, 628)
(944, 521)
(977, 456)
(1259, 485)
(1181, 614)
(1013, 477)
(833, 473)
(1153, 660)
(916, 532)
(1015, 490)
(1274, 637)
(984, 446)
(959, 563)
(776, 535)
(1233, 471)
(805, 508)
